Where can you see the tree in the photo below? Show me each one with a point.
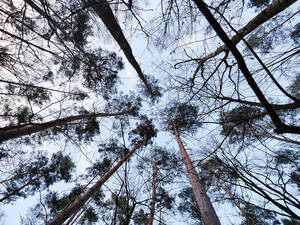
(280, 127)
(218, 82)
(76, 205)
(183, 119)
(145, 131)
(163, 166)
(42, 172)
(22, 130)
(189, 205)
(103, 10)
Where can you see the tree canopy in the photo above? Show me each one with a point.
(149, 112)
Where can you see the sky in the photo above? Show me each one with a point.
(150, 62)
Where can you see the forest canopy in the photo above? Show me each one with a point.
(149, 112)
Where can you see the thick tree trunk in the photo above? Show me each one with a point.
(208, 213)
(280, 126)
(103, 10)
(8, 133)
(153, 197)
(61, 217)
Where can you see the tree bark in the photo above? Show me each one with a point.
(280, 126)
(103, 10)
(8, 133)
(205, 206)
(61, 217)
(153, 197)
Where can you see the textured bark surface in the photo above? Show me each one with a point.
(153, 195)
(19, 131)
(61, 217)
(207, 210)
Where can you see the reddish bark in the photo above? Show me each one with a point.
(206, 208)
(8, 133)
(61, 217)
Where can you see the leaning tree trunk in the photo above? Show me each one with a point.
(14, 192)
(153, 197)
(8, 133)
(280, 126)
(275, 137)
(61, 217)
(276, 7)
(207, 210)
(103, 10)
(231, 197)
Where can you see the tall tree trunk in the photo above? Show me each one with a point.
(276, 7)
(61, 217)
(206, 208)
(280, 126)
(12, 132)
(231, 197)
(103, 10)
(153, 197)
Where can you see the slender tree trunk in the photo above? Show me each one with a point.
(280, 126)
(294, 105)
(276, 7)
(231, 197)
(61, 217)
(103, 10)
(206, 208)
(275, 138)
(8, 133)
(129, 215)
(160, 218)
(153, 197)
(17, 190)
